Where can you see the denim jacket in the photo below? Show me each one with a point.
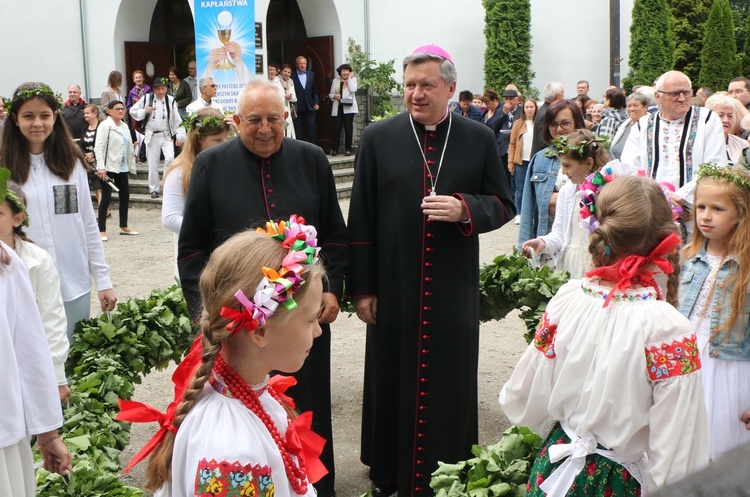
(736, 346)
(537, 190)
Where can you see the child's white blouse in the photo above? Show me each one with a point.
(221, 442)
(629, 374)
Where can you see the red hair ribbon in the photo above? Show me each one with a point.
(633, 267)
(307, 445)
(281, 384)
(138, 412)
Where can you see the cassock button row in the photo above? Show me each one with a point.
(429, 175)
(419, 461)
(425, 337)
(431, 149)
(428, 294)
(432, 135)
(273, 206)
(420, 435)
(423, 394)
(425, 351)
(270, 190)
(430, 235)
(430, 249)
(425, 366)
(417, 489)
(418, 475)
(430, 162)
(423, 380)
(427, 264)
(421, 421)
(422, 408)
(268, 176)
(428, 279)
(426, 323)
(426, 308)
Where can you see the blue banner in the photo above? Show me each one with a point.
(225, 46)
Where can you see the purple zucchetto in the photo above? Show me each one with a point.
(434, 50)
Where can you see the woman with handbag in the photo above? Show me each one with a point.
(290, 100)
(114, 160)
(343, 90)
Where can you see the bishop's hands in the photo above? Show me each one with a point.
(444, 208)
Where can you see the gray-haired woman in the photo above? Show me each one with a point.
(637, 107)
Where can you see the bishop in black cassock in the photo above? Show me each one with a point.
(240, 185)
(415, 274)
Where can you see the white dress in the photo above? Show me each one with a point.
(221, 442)
(726, 383)
(30, 401)
(627, 374)
(567, 240)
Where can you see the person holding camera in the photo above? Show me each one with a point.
(343, 90)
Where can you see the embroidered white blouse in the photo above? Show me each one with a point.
(220, 436)
(628, 374)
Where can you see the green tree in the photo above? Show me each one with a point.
(719, 55)
(375, 77)
(651, 43)
(745, 51)
(507, 58)
(688, 19)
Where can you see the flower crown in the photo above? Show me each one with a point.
(9, 195)
(277, 286)
(34, 91)
(562, 147)
(736, 174)
(195, 123)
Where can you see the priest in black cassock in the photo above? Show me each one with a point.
(426, 184)
(243, 183)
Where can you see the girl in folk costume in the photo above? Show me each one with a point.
(45, 282)
(613, 371)
(31, 405)
(228, 429)
(713, 294)
(581, 154)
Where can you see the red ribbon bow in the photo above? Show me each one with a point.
(304, 443)
(281, 384)
(138, 412)
(632, 267)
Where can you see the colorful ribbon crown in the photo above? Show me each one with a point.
(587, 193)
(277, 286)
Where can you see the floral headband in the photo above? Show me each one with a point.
(562, 147)
(587, 193)
(277, 286)
(9, 195)
(195, 123)
(34, 91)
(733, 174)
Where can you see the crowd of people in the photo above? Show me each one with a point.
(638, 374)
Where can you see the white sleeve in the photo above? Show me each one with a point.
(525, 397)
(714, 149)
(178, 130)
(352, 85)
(138, 111)
(45, 283)
(566, 201)
(97, 265)
(678, 423)
(173, 202)
(100, 145)
(41, 400)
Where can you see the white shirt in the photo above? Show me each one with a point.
(222, 429)
(45, 283)
(30, 401)
(200, 103)
(173, 202)
(588, 367)
(64, 224)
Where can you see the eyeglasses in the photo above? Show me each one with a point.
(674, 95)
(257, 121)
(213, 86)
(563, 125)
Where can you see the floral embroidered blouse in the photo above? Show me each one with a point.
(224, 449)
(629, 374)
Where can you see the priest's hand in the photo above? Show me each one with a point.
(444, 208)
(367, 309)
(329, 309)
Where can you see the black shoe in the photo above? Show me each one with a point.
(334, 153)
(154, 194)
(383, 489)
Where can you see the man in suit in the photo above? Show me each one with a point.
(511, 112)
(465, 107)
(307, 100)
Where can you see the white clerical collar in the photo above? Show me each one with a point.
(434, 126)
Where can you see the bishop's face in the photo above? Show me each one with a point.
(426, 93)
